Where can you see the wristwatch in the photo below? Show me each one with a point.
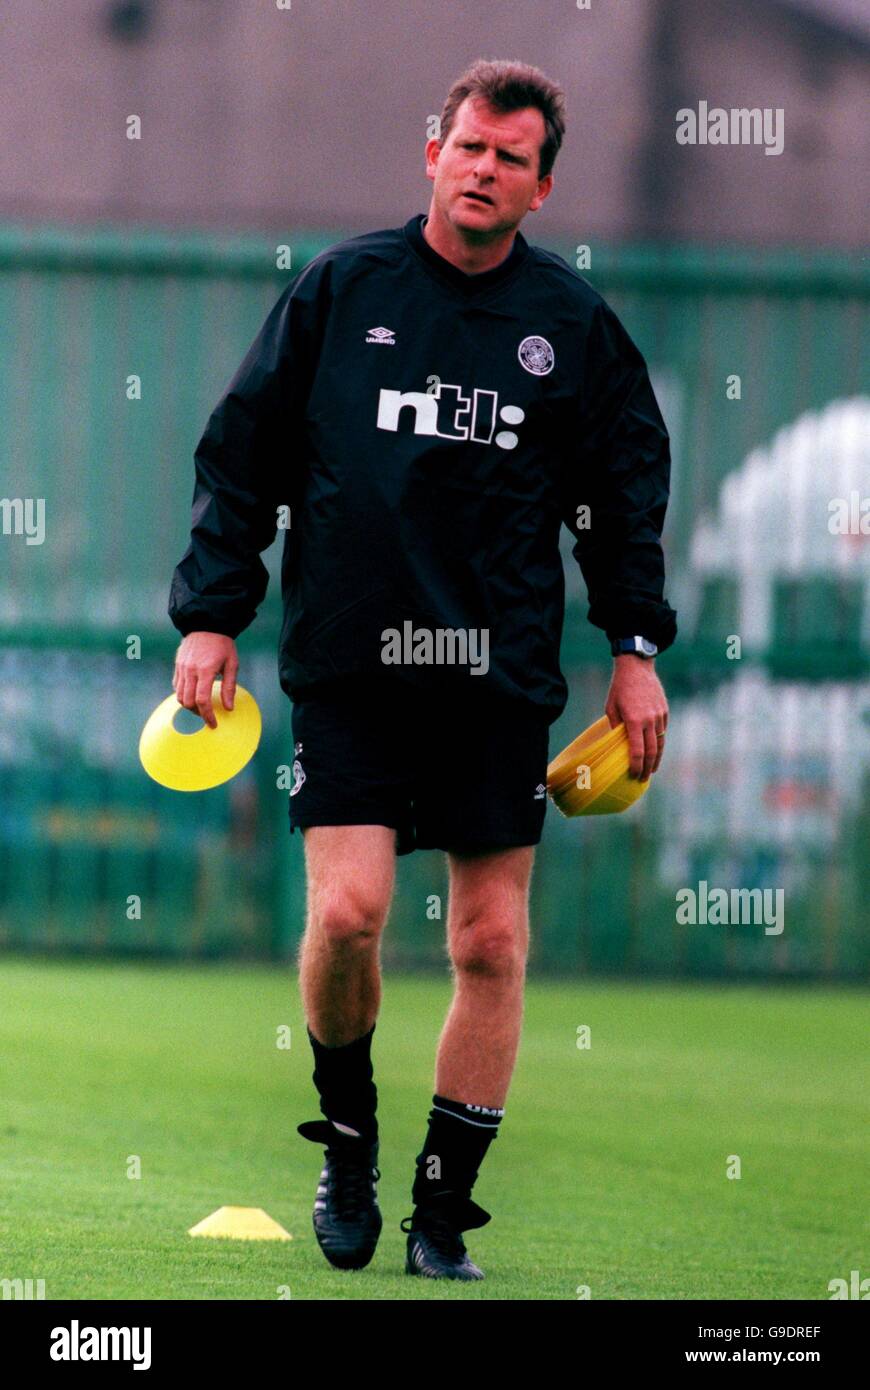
(639, 645)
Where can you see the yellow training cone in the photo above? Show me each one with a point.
(590, 776)
(240, 1223)
(194, 762)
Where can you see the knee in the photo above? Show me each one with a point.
(489, 946)
(350, 922)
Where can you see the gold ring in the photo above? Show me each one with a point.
(660, 737)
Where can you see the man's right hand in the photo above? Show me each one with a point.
(201, 656)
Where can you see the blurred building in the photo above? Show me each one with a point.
(797, 512)
(315, 116)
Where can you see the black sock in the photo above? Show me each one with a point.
(343, 1077)
(456, 1144)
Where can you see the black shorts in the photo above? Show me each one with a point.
(446, 771)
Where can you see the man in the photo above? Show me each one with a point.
(432, 402)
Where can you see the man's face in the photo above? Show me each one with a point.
(495, 156)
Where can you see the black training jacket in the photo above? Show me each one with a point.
(427, 433)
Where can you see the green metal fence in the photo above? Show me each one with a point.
(117, 346)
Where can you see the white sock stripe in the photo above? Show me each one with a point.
(479, 1123)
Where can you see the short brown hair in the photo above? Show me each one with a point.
(508, 87)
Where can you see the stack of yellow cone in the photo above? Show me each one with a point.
(590, 776)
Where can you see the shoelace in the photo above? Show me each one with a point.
(350, 1184)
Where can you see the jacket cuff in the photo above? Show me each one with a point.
(658, 626)
(202, 622)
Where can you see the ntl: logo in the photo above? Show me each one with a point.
(484, 408)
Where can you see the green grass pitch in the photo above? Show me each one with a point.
(609, 1171)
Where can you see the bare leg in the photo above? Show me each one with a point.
(488, 940)
(350, 873)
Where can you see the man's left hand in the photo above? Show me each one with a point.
(637, 700)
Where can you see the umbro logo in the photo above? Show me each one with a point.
(386, 336)
(298, 777)
(540, 791)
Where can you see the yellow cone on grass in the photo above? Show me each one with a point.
(240, 1223)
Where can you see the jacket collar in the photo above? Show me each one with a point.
(451, 274)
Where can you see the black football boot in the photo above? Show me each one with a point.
(436, 1249)
(347, 1218)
